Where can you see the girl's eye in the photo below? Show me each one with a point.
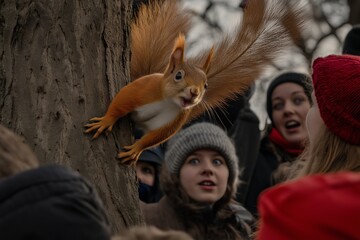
(179, 75)
(298, 101)
(147, 170)
(193, 161)
(218, 161)
(278, 106)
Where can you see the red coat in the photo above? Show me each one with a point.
(314, 207)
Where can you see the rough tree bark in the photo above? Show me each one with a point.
(61, 62)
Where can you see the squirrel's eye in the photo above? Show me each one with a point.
(206, 85)
(179, 75)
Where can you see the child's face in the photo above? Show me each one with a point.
(145, 172)
(204, 176)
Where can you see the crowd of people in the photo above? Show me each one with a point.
(218, 178)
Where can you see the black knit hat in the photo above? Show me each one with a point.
(301, 79)
(352, 41)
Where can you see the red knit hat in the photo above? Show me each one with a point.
(336, 80)
(314, 207)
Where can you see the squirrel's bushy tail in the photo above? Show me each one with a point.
(153, 34)
(267, 28)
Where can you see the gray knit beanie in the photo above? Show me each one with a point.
(201, 136)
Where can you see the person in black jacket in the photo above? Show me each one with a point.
(51, 202)
(47, 202)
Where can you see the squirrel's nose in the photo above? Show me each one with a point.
(194, 92)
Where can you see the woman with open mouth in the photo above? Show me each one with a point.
(199, 179)
(288, 101)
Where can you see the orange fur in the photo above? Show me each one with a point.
(127, 100)
(168, 91)
(165, 91)
(153, 35)
(153, 138)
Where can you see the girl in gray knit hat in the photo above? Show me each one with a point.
(199, 179)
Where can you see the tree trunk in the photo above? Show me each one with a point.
(61, 63)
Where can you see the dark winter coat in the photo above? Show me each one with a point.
(271, 167)
(51, 202)
(246, 136)
(168, 216)
(162, 215)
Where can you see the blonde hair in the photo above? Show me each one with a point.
(330, 154)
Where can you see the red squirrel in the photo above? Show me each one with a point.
(168, 91)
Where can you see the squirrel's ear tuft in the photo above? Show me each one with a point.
(177, 56)
(206, 66)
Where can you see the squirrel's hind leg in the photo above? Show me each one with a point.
(130, 154)
(151, 139)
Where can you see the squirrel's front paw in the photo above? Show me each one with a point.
(100, 123)
(129, 155)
